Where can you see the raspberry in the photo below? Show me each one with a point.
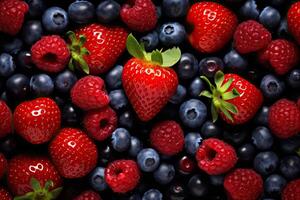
(243, 184)
(292, 191)
(122, 175)
(50, 53)
(167, 137)
(88, 195)
(215, 156)
(89, 93)
(6, 119)
(3, 165)
(100, 123)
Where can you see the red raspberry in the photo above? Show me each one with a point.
(281, 55)
(284, 118)
(167, 137)
(88, 195)
(89, 93)
(122, 175)
(6, 119)
(100, 123)
(251, 36)
(3, 165)
(50, 53)
(292, 190)
(243, 184)
(293, 20)
(215, 156)
(4, 194)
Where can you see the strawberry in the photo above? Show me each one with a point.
(280, 55)
(213, 26)
(3, 165)
(6, 119)
(33, 176)
(88, 195)
(95, 48)
(73, 153)
(147, 79)
(291, 190)
(12, 13)
(139, 15)
(284, 118)
(4, 194)
(251, 36)
(293, 20)
(37, 120)
(236, 99)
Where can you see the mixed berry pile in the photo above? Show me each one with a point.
(149, 100)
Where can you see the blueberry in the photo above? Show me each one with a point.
(64, 81)
(108, 11)
(294, 78)
(270, 17)
(12, 46)
(290, 145)
(150, 41)
(55, 20)
(193, 113)
(120, 139)
(32, 31)
(246, 152)
(7, 65)
(97, 180)
(179, 96)
(171, 34)
(24, 61)
(197, 186)
(290, 167)
(261, 117)
(210, 65)
(249, 10)
(234, 62)
(113, 77)
(236, 137)
(36, 7)
(18, 86)
(9, 145)
(118, 99)
(148, 160)
(152, 194)
(135, 146)
(126, 119)
(196, 87)
(210, 129)
(81, 12)
(262, 138)
(41, 85)
(176, 192)
(164, 174)
(70, 115)
(175, 8)
(271, 86)
(105, 155)
(192, 142)
(282, 30)
(277, 2)
(187, 66)
(216, 180)
(158, 12)
(274, 184)
(266, 163)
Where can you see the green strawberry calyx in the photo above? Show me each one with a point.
(40, 193)
(219, 95)
(166, 58)
(78, 51)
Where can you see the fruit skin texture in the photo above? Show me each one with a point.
(6, 119)
(141, 16)
(243, 184)
(73, 153)
(284, 118)
(214, 26)
(50, 54)
(89, 93)
(293, 20)
(37, 120)
(3, 165)
(105, 45)
(22, 168)
(12, 14)
(167, 137)
(88, 195)
(148, 86)
(4, 194)
(281, 55)
(215, 156)
(251, 36)
(292, 190)
(122, 175)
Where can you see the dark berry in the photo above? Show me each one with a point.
(32, 31)
(41, 85)
(262, 138)
(108, 11)
(197, 186)
(97, 179)
(210, 65)
(164, 174)
(210, 129)
(196, 87)
(171, 34)
(148, 160)
(64, 81)
(266, 163)
(187, 67)
(113, 77)
(7, 65)
(290, 167)
(120, 139)
(81, 12)
(118, 99)
(270, 17)
(18, 86)
(150, 41)
(246, 152)
(271, 86)
(179, 96)
(55, 19)
(175, 8)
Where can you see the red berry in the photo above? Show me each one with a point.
(50, 53)
(3, 165)
(100, 123)
(293, 20)
(89, 93)
(4, 194)
(284, 118)
(37, 120)
(88, 195)
(186, 165)
(251, 36)
(167, 137)
(122, 175)
(291, 190)
(215, 156)
(243, 184)
(6, 119)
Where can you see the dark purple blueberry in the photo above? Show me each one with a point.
(64, 81)
(197, 186)
(246, 152)
(210, 129)
(210, 65)
(17, 86)
(41, 85)
(32, 31)
(187, 67)
(108, 11)
(290, 167)
(266, 162)
(81, 12)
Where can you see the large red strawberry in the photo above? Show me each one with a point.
(88, 195)
(37, 120)
(293, 20)
(236, 99)
(4, 194)
(12, 14)
(148, 80)
(3, 165)
(213, 26)
(95, 48)
(33, 176)
(6, 119)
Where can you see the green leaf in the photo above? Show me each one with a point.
(206, 93)
(82, 40)
(212, 88)
(230, 107)
(84, 51)
(219, 79)
(156, 57)
(56, 192)
(226, 113)
(71, 65)
(84, 66)
(48, 185)
(71, 35)
(226, 85)
(27, 196)
(214, 112)
(35, 184)
(133, 47)
(229, 95)
(170, 57)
